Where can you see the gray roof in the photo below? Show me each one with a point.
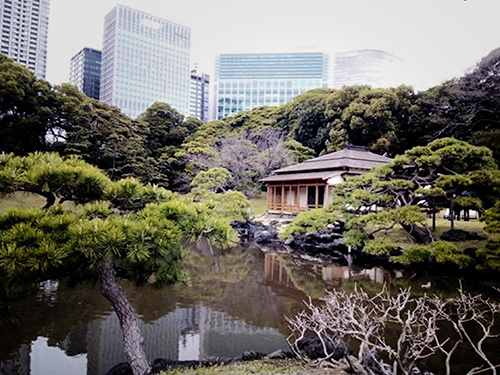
(354, 158)
(322, 175)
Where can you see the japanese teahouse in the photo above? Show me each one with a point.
(309, 185)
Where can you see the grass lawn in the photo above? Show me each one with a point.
(284, 367)
(258, 204)
(399, 236)
(21, 200)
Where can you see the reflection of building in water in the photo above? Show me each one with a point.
(161, 339)
(18, 364)
(274, 270)
(223, 336)
(333, 272)
(278, 271)
(47, 291)
(184, 334)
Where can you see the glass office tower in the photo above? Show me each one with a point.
(246, 81)
(85, 72)
(144, 59)
(24, 25)
(367, 67)
(198, 101)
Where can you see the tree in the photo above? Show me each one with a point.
(26, 109)
(100, 134)
(167, 129)
(213, 179)
(371, 117)
(464, 106)
(249, 156)
(398, 193)
(400, 329)
(305, 119)
(126, 229)
(489, 254)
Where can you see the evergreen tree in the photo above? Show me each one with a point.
(125, 228)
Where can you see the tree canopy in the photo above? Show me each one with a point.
(123, 227)
(415, 182)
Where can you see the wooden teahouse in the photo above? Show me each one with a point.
(308, 185)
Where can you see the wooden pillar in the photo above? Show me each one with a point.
(297, 197)
(316, 197)
(268, 195)
(282, 196)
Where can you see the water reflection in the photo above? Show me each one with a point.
(296, 277)
(235, 301)
(225, 310)
(277, 270)
(190, 333)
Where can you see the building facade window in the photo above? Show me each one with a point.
(246, 81)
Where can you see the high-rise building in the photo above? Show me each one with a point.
(367, 67)
(85, 72)
(24, 28)
(144, 59)
(199, 93)
(246, 81)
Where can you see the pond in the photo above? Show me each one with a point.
(235, 301)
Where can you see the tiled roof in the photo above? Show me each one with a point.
(344, 159)
(325, 175)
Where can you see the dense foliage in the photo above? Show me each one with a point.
(164, 148)
(123, 227)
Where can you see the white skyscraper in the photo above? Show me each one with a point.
(144, 59)
(24, 27)
(367, 67)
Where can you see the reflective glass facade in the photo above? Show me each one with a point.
(24, 25)
(246, 81)
(367, 67)
(85, 72)
(144, 59)
(198, 97)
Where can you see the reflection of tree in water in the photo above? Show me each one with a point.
(235, 297)
(55, 318)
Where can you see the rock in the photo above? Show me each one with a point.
(456, 235)
(120, 369)
(160, 364)
(255, 230)
(312, 348)
(263, 236)
(250, 355)
(280, 354)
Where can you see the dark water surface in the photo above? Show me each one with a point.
(235, 301)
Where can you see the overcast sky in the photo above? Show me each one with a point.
(438, 39)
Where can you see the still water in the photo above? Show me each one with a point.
(235, 301)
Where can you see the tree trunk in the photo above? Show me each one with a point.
(452, 215)
(129, 321)
(433, 215)
(421, 235)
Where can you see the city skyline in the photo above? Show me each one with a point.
(438, 41)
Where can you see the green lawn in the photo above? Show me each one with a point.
(399, 236)
(285, 367)
(21, 200)
(258, 204)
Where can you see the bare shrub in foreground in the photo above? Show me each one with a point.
(393, 333)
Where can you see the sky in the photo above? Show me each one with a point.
(437, 39)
